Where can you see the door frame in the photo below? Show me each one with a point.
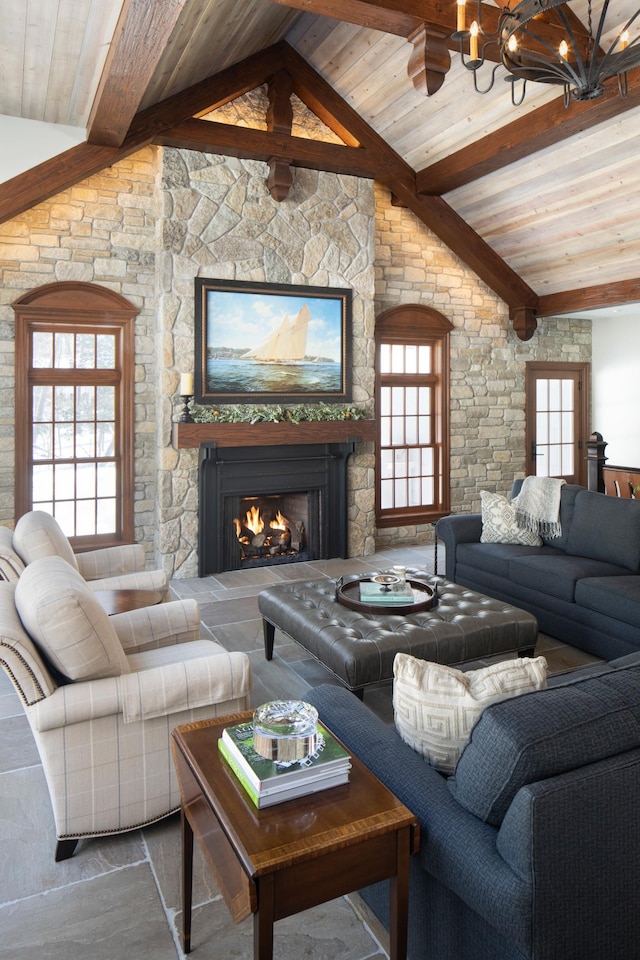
(554, 368)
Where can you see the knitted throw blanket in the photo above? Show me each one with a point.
(538, 506)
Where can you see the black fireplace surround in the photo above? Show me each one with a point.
(227, 474)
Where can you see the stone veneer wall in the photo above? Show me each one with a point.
(487, 419)
(219, 221)
(102, 231)
(147, 226)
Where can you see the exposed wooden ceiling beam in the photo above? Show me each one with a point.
(249, 143)
(394, 17)
(589, 298)
(139, 40)
(539, 129)
(51, 177)
(403, 17)
(399, 177)
(211, 93)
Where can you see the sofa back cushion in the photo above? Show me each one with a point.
(435, 706)
(67, 623)
(38, 534)
(568, 495)
(544, 734)
(606, 528)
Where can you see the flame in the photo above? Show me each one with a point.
(238, 527)
(254, 521)
(279, 523)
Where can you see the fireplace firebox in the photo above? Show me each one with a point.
(271, 505)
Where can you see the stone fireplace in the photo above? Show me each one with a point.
(299, 488)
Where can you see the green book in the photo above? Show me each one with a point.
(300, 788)
(266, 776)
(371, 592)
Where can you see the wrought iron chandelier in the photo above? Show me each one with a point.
(522, 43)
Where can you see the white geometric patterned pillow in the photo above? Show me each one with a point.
(435, 706)
(499, 522)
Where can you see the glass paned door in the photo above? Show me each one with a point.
(557, 401)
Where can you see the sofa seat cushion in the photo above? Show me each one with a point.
(544, 734)
(558, 575)
(435, 706)
(495, 557)
(607, 529)
(617, 597)
(67, 623)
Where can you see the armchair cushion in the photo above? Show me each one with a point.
(111, 561)
(67, 623)
(38, 534)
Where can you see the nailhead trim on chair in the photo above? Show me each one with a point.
(28, 703)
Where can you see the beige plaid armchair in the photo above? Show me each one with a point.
(38, 534)
(102, 695)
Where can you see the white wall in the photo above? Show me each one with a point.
(615, 381)
(32, 142)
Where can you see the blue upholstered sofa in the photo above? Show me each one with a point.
(532, 848)
(583, 587)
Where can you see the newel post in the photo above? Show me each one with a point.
(595, 462)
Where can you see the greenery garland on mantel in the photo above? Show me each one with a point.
(299, 413)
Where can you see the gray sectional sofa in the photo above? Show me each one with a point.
(531, 850)
(583, 587)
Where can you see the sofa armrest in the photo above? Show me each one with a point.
(177, 621)
(455, 847)
(111, 561)
(455, 529)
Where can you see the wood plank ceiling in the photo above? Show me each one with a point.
(546, 200)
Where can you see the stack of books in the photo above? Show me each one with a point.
(268, 783)
(386, 594)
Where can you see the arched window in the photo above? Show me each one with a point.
(74, 410)
(412, 394)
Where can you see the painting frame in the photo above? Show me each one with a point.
(250, 349)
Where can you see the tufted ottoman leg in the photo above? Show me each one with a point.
(269, 632)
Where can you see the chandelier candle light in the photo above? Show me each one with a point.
(523, 44)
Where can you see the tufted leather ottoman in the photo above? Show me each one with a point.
(359, 648)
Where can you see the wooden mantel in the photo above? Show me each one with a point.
(271, 434)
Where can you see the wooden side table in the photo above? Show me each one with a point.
(122, 601)
(283, 859)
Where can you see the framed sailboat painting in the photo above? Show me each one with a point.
(271, 343)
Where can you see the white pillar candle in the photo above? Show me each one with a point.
(186, 384)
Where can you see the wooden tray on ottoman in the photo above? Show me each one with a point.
(348, 594)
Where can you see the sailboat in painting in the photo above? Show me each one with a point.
(287, 343)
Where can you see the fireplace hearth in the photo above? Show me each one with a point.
(301, 489)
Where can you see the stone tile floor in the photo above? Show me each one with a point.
(118, 898)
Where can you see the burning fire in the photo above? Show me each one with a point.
(253, 520)
(279, 523)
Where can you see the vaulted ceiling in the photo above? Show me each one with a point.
(542, 202)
